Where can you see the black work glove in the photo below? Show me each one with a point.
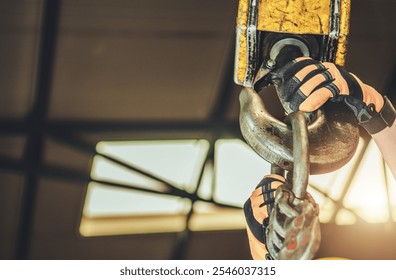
(306, 84)
(257, 210)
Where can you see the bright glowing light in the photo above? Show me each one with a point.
(110, 210)
(177, 161)
(345, 217)
(105, 201)
(390, 179)
(326, 206)
(238, 171)
(210, 217)
(367, 194)
(333, 183)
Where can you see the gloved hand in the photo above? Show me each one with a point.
(306, 84)
(257, 209)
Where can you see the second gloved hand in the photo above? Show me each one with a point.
(257, 210)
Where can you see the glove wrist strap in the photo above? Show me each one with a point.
(381, 120)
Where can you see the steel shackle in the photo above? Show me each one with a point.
(333, 135)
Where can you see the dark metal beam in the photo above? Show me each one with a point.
(77, 128)
(60, 173)
(11, 164)
(49, 171)
(133, 126)
(133, 168)
(12, 126)
(72, 140)
(36, 123)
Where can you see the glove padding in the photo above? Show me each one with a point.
(306, 84)
(257, 209)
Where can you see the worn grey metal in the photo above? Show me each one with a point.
(333, 135)
(279, 45)
(293, 232)
(301, 171)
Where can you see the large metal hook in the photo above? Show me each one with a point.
(294, 229)
(333, 135)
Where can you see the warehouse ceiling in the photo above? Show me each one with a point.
(74, 73)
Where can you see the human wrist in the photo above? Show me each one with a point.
(379, 121)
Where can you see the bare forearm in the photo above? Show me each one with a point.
(386, 141)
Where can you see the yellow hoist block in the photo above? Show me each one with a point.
(326, 18)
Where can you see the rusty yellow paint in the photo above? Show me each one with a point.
(341, 51)
(294, 16)
(290, 16)
(243, 8)
(241, 59)
(345, 12)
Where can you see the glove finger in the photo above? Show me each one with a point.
(300, 75)
(263, 195)
(340, 79)
(312, 82)
(316, 99)
(273, 181)
(370, 95)
(308, 74)
(290, 70)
